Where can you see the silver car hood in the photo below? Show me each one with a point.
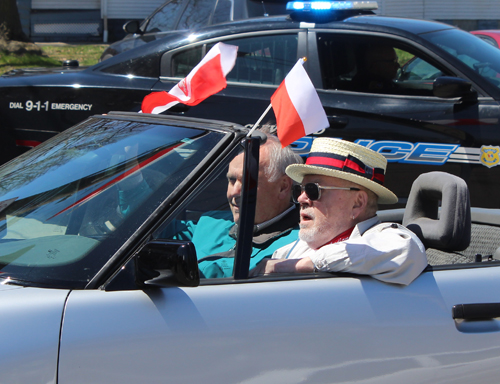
(30, 324)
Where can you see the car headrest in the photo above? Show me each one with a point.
(448, 228)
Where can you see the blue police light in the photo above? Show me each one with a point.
(322, 6)
(295, 6)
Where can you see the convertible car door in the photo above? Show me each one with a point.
(29, 329)
(333, 329)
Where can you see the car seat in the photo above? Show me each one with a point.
(438, 212)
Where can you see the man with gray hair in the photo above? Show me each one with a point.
(276, 216)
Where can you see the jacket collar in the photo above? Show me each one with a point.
(264, 232)
(362, 227)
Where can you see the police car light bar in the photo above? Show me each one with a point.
(311, 6)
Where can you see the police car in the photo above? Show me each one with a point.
(442, 112)
(91, 296)
(182, 15)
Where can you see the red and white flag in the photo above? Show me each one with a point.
(297, 106)
(206, 79)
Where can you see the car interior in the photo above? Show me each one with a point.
(444, 230)
(341, 60)
(439, 212)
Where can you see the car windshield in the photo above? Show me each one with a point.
(71, 203)
(164, 18)
(478, 55)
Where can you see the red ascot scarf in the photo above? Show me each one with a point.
(343, 236)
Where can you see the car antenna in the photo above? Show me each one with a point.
(264, 8)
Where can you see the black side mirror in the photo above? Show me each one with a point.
(70, 63)
(450, 87)
(132, 26)
(167, 263)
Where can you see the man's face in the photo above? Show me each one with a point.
(268, 193)
(384, 63)
(324, 219)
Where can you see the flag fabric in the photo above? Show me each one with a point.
(297, 106)
(206, 79)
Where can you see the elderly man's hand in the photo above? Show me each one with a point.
(268, 266)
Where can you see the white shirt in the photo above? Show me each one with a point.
(386, 251)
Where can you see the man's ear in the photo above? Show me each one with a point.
(360, 202)
(285, 186)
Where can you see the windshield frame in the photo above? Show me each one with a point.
(161, 200)
(198, 176)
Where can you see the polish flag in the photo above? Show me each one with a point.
(206, 79)
(297, 107)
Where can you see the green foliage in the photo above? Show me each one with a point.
(403, 56)
(48, 55)
(86, 54)
(27, 59)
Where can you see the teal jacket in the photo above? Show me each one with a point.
(214, 237)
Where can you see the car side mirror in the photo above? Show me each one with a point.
(132, 26)
(450, 87)
(167, 263)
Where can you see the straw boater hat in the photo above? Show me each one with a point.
(348, 161)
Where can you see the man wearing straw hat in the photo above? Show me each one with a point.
(341, 187)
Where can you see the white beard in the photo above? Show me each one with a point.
(311, 235)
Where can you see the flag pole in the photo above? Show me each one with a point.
(260, 119)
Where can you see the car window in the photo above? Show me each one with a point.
(261, 60)
(264, 59)
(197, 14)
(414, 68)
(164, 19)
(71, 203)
(206, 220)
(184, 62)
(223, 11)
(229, 10)
(362, 64)
(147, 65)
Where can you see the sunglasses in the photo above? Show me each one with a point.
(313, 191)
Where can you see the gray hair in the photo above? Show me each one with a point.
(279, 158)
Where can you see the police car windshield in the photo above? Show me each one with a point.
(478, 55)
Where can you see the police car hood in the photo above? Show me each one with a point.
(24, 72)
(37, 77)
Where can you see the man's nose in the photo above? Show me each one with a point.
(303, 199)
(235, 189)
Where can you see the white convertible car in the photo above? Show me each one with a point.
(94, 294)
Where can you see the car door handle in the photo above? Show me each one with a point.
(338, 121)
(476, 311)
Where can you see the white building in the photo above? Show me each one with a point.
(466, 14)
(79, 19)
(100, 20)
